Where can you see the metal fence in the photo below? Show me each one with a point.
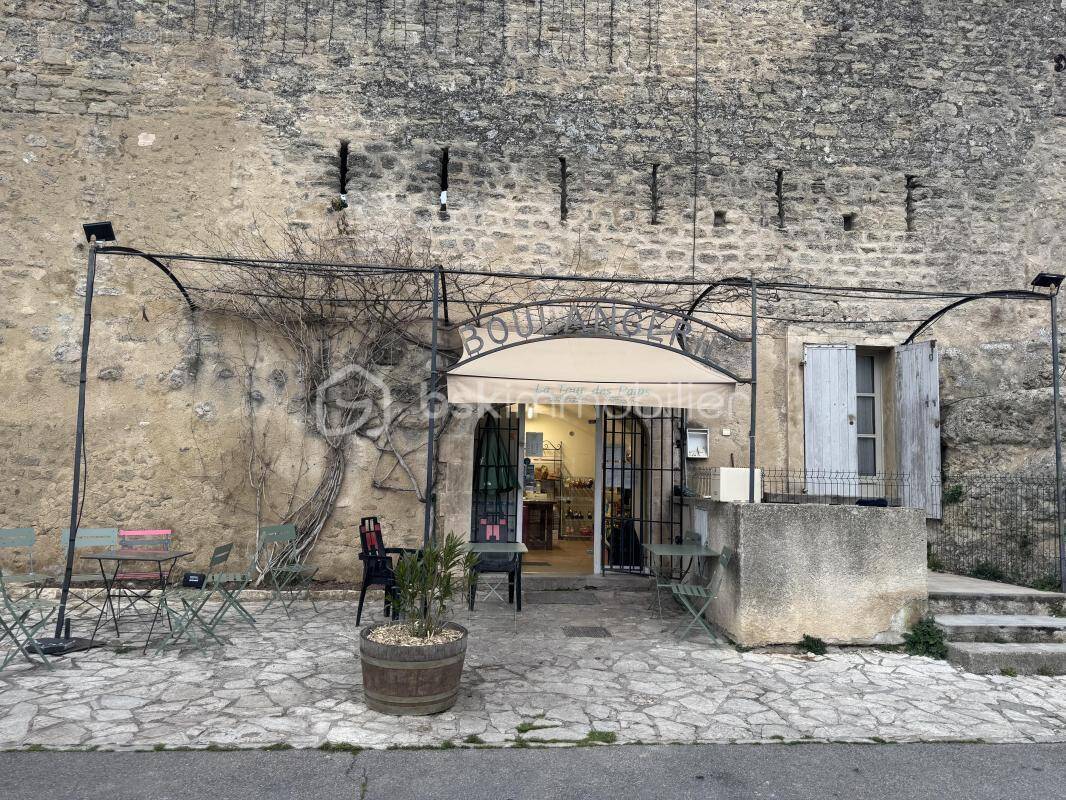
(997, 527)
(832, 488)
(826, 487)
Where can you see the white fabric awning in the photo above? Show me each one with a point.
(588, 370)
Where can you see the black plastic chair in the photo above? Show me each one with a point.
(378, 566)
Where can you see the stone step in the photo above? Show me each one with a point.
(1035, 658)
(1021, 602)
(547, 582)
(1002, 628)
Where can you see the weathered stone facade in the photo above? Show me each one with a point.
(184, 122)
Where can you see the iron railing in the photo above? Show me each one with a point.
(816, 486)
(997, 527)
(830, 487)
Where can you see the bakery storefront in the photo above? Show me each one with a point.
(577, 435)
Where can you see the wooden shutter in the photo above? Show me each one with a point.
(918, 424)
(830, 444)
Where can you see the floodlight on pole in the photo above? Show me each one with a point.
(99, 231)
(63, 642)
(1052, 281)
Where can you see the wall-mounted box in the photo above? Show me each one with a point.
(730, 485)
(698, 442)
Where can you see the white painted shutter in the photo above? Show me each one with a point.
(918, 424)
(830, 443)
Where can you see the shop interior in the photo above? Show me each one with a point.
(558, 516)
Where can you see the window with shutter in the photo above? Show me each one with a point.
(918, 423)
(830, 442)
(869, 418)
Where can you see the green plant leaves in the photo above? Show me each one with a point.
(426, 582)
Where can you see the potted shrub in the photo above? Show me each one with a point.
(414, 666)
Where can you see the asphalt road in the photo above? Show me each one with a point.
(729, 772)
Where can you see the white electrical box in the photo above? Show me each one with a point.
(699, 442)
(730, 485)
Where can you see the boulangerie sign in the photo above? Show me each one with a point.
(656, 326)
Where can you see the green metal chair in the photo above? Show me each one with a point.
(287, 581)
(20, 619)
(184, 606)
(23, 539)
(689, 594)
(230, 586)
(88, 538)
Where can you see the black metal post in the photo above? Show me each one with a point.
(79, 437)
(754, 384)
(1058, 433)
(432, 409)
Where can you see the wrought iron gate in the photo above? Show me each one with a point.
(641, 465)
(494, 514)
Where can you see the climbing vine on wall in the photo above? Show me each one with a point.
(358, 339)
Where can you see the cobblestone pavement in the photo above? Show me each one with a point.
(297, 682)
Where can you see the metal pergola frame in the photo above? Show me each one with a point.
(701, 290)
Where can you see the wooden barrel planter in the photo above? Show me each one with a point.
(423, 679)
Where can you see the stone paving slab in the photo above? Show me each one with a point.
(297, 682)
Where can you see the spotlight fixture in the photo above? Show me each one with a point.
(1048, 280)
(103, 231)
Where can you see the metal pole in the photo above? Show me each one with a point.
(754, 373)
(427, 529)
(1058, 433)
(79, 437)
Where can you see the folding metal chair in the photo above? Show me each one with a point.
(293, 578)
(230, 586)
(20, 619)
(688, 594)
(183, 606)
(153, 541)
(492, 527)
(23, 539)
(88, 538)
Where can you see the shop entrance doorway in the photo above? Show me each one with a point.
(559, 513)
(584, 487)
(641, 467)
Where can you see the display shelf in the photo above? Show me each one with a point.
(578, 508)
(549, 475)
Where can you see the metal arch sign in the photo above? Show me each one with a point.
(659, 327)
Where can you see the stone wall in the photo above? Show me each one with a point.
(190, 124)
(845, 574)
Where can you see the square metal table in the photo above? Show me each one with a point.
(504, 548)
(663, 550)
(130, 555)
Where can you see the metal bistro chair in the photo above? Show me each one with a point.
(183, 606)
(230, 587)
(493, 528)
(88, 538)
(287, 580)
(378, 567)
(151, 541)
(20, 619)
(23, 539)
(688, 594)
